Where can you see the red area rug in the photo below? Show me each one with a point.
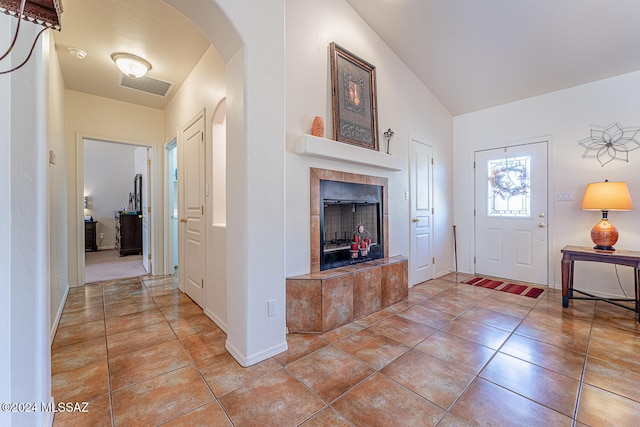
(512, 288)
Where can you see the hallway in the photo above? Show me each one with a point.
(142, 353)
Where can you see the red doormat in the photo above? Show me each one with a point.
(512, 288)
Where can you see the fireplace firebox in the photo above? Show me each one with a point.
(350, 223)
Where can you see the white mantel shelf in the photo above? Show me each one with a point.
(322, 148)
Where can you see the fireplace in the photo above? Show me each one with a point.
(350, 223)
(347, 209)
(323, 300)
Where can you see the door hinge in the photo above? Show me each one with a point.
(149, 257)
(474, 260)
(202, 209)
(202, 282)
(474, 164)
(432, 160)
(433, 211)
(433, 260)
(148, 162)
(201, 136)
(148, 209)
(474, 212)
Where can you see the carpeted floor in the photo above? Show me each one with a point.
(108, 265)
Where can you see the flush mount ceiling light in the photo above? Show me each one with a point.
(131, 65)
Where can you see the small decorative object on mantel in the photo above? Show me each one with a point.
(353, 92)
(317, 128)
(610, 143)
(388, 134)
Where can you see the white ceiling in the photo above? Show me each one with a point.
(148, 28)
(472, 54)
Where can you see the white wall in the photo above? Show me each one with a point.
(250, 38)
(59, 267)
(564, 117)
(25, 287)
(404, 105)
(205, 88)
(99, 118)
(109, 169)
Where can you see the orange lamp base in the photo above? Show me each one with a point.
(604, 235)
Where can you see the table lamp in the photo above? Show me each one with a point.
(606, 196)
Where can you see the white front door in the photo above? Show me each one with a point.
(421, 184)
(192, 220)
(511, 212)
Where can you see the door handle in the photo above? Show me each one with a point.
(183, 220)
(415, 220)
(541, 224)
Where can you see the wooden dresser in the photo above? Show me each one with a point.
(90, 241)
(128, 233)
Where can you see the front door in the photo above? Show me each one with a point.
(511, 212)
(192, 220)
(421, 184)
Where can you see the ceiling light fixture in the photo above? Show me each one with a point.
(131, 65)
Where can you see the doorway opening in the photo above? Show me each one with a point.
(116, 198)
(171, 206)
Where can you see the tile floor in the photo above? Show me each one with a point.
(142, 353)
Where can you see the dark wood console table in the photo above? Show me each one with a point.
(570, 254)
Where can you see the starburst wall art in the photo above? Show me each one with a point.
(610, 143)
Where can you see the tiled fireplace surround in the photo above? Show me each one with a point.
(323, 300)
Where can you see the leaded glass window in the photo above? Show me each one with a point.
(509, 187)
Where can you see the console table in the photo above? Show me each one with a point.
(570, 254)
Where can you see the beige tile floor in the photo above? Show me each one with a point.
(142, 353)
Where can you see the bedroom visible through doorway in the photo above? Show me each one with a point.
(116, 214)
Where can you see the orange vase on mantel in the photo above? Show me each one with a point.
(317, 128)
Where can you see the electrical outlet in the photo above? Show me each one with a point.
(273, 307)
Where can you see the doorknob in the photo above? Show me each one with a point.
(415, 220)
(183, 220)
(541, 224)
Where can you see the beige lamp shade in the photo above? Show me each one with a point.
(607, 196)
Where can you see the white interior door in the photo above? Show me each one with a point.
(146, 212)
(143, 167)
(421, 184)
(192, 221)
(511, 212)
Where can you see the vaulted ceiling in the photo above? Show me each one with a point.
(472, 54)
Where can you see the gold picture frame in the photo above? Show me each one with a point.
(353, 93)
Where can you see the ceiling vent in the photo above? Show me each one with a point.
(147, 85)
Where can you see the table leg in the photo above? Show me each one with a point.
(636, 279)
(567, 279)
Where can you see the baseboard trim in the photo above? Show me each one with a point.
(246, 361)
(56, 320)
(222, 325)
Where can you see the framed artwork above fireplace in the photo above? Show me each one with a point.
(353, 90)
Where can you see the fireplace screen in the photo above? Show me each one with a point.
(350, 223)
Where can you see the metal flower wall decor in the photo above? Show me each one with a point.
(610, 143)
